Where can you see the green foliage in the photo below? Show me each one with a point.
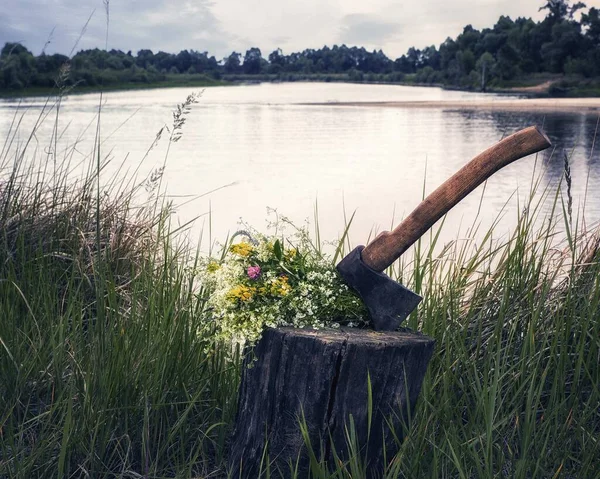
(102, 370)
(232, 63)
(253, 61)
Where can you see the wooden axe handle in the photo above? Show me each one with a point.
(388, 246)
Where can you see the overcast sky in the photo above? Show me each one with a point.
(221, 26)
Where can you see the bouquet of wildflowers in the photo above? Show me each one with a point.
(264, 281)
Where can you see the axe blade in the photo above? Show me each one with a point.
(388, 302)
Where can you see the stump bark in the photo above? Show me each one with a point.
(322, 377)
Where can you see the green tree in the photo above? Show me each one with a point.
(9, 74)
(565, 43)
(232, 63)
(144, 58)
(277, 61)
(507, 61)
(466, 61)
(17, 66)
(15, 49)
(431, 57)
(253, 61)
(485, 66)
(183, 61)
(559, 10)
(591, 22)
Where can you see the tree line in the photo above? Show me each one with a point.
(566, 41)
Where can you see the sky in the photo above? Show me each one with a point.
(223, 26)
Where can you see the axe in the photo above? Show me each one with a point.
(388, 302)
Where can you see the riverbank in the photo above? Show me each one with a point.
(172, 81)
(535, 86)
(539, 85)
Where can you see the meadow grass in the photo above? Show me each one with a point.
(103, 373)
(106, 372)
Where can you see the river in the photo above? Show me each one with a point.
(277, 150)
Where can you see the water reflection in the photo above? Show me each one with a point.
(372, 160)
(573, 134)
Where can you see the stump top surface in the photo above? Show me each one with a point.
(356, 336)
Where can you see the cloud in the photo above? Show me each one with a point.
(132, 25)
(430, 22)
(281, 40)
(269, 24)
(367, 29)
(221, 26)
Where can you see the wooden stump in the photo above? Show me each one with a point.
(322, 375)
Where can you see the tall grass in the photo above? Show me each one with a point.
(513, 389)
(103, 371)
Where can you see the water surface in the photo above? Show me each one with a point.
(284, 154)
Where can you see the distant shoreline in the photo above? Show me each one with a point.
(85, 90)
(538, 88)
(526, 104)
(531, 102)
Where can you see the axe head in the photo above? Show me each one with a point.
(388, 302)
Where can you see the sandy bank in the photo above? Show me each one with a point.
(528, 104)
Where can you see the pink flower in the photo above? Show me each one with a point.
(253, 272)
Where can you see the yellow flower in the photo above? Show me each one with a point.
(241, 293)
(291, 253)
(212, 266)
(241, 249)
(281, 286)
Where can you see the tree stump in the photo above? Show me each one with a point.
(322, 376)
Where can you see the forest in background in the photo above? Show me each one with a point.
(563, 48)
